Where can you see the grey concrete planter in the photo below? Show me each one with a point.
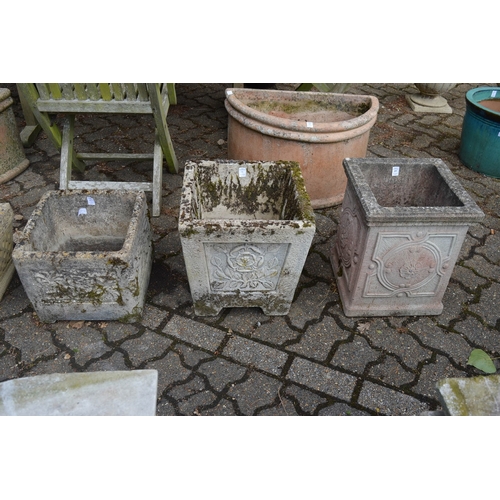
(474, 396)
(245, 229)
(107, 393)
(6, 264)
(401, 229)
(86, 255)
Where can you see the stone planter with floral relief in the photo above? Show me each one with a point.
(402, 226)
(246, 229)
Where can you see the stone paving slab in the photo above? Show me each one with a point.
(314, 361)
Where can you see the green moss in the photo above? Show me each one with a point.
(115, 261)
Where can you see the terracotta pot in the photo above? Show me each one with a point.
(401, 229)
(316, 129)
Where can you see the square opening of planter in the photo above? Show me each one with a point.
(86, 255)
(402, 226)
(246, 229)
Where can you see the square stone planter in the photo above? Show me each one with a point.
(6, 264)
(86, 255)
(246, 229)
(401, 229)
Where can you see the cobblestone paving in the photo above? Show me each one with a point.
(315, 360)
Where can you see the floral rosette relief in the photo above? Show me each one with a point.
(245, 267)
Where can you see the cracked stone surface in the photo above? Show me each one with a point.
(313, 361)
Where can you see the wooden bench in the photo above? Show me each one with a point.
(44, 99)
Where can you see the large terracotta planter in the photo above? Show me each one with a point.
(246, 230)
(6, 264)
(86, 255)
(12, 158)
(316, 129)
(401, 229)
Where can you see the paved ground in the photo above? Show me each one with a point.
(315, 360)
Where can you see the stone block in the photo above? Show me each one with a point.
(108, 393)
(475, 396)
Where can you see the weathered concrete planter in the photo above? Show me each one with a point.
(246, 229)
(475, 396)
(86, 266)
(6, 264)
(12, 158)
(107, 393)
(402, 226)
(316, 129)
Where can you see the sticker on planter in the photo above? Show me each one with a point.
(493, 93)
(90, 200)
(310, 124)
(242, 171)
(229, 92)
(82, 211)
(395, 171)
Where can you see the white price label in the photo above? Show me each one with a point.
(242, 171)
(82, 211)
(229, 92)
(310, 124)
(493, 93)
(90, 200)
(395, 171)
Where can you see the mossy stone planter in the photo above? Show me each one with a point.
(316, 129)
(401, 229)
(86, 255)
(6, 264)
(246, 229)
(12, 158)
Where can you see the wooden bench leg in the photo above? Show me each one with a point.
(157, 176)
(68, 155)
(66, 152)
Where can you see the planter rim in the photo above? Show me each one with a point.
(187, 221)
(20, 251)
(300, 130)
(375, 213)
(474, 96)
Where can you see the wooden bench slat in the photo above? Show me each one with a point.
(105, 91)
(75, 106)
(117, 90)
(55, 91)
(132, 186)
(115, 156)
(80, 92)
(142, 92)
(93, 91)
